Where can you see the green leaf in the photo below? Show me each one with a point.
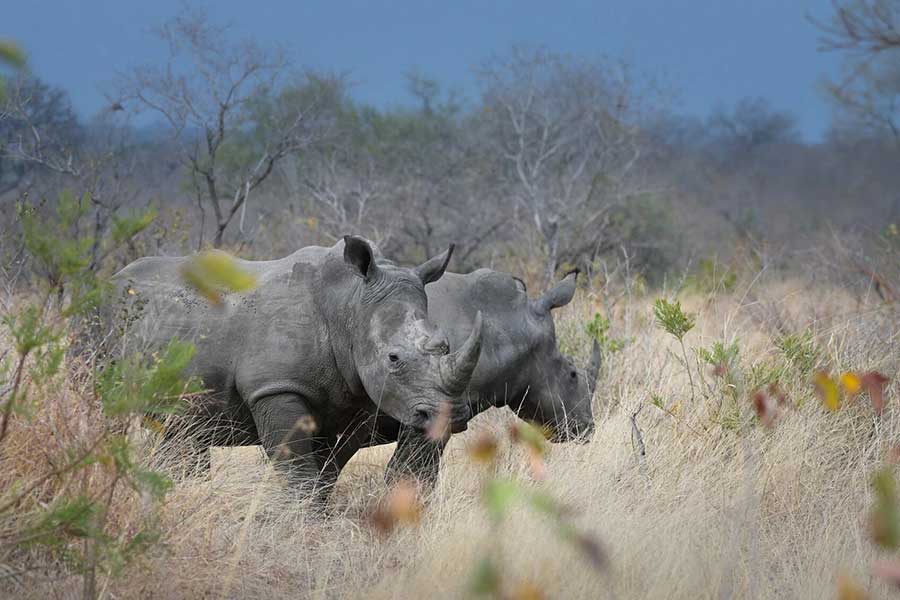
(885, 516)
(598, 329)
(530, 436)
(485, 579)
(28, 330)
(214, 272)
(543, 502)
(800, 350)
(131, 387)
(498, 495)
(69, 517)
(151, 482)
(12, 54)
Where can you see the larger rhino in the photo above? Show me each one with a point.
(521, 365)
(292, 363)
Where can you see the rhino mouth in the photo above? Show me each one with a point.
(430, 418)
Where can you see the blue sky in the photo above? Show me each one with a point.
(712, 52)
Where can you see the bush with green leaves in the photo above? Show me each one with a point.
(64, 514)
(724, 360)
(598, 329)
(800, 351)
(677, 323)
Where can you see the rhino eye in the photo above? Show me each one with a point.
(393, 357)
(573, 374)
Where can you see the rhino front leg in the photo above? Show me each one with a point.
(287, 432)
(416, 456)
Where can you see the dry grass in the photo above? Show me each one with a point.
(713, 511)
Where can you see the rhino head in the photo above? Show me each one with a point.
(403, 360)
(559, 395)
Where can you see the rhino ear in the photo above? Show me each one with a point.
(358, 254)
(559, 295)
(432, 269)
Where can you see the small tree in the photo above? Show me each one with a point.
(565, 131)
(207, 92)
(67, 507)
(867, 32)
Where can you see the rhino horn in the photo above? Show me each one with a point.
(594, 367)
(456, 368)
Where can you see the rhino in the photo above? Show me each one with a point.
(521, 365)
(327, 334)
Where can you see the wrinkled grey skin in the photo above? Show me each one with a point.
(520, 365)
(327, 334)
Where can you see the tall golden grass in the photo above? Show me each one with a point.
(715, 508)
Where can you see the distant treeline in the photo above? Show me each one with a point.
(557, 162)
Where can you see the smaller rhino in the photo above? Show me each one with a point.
(520, 365)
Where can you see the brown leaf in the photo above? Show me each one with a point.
(848, 589)
(893, 455)
(536, 465)
(767, 406)
(527, 591)
(873, 382)
(484, 448)
(401, 506)
(439, 429)
(889, 570)
(591, 548)
(720, 370)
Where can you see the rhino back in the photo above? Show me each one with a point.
(251, 343)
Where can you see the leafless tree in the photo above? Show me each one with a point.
(868, 33)
(866, 27)
(566, 131)
(51, 150)
(207, 91)
(37, 126)
(345, 193)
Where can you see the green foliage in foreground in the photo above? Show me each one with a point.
(499, 498)
(91, 473)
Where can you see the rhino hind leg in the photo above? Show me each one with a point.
(187, 439)
(287, 431)
(416, 457)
